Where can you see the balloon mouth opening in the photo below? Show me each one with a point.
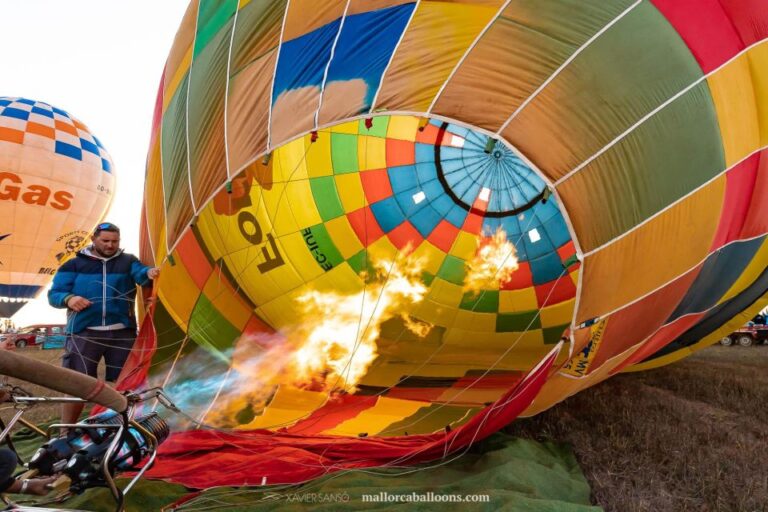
(392, 223)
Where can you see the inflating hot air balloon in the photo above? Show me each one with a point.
(387, 228)
(56, 183)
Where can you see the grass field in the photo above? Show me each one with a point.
(692, 436)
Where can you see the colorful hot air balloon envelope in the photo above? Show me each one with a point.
(376, 218)
(56, 183)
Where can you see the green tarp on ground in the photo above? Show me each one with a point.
(516, 475)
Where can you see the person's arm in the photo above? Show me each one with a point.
(37, 486)
(8, 462)
(142, 274)
(63, 284)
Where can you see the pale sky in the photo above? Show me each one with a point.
(101, 61)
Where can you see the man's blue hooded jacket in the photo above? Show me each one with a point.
(109, 283)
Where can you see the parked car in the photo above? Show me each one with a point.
(44, 335)
(54, 337)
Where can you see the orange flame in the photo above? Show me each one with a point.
(340, 331)
(417, 327)
(331, 345)
(493, 264)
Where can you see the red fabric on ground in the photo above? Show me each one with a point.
(210, 458)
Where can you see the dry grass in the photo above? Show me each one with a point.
(692, 436)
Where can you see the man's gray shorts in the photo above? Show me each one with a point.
(85, 349)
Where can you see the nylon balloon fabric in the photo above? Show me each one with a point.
(56, 183)
(378, 222)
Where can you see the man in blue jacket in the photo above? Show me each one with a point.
(98, 288)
